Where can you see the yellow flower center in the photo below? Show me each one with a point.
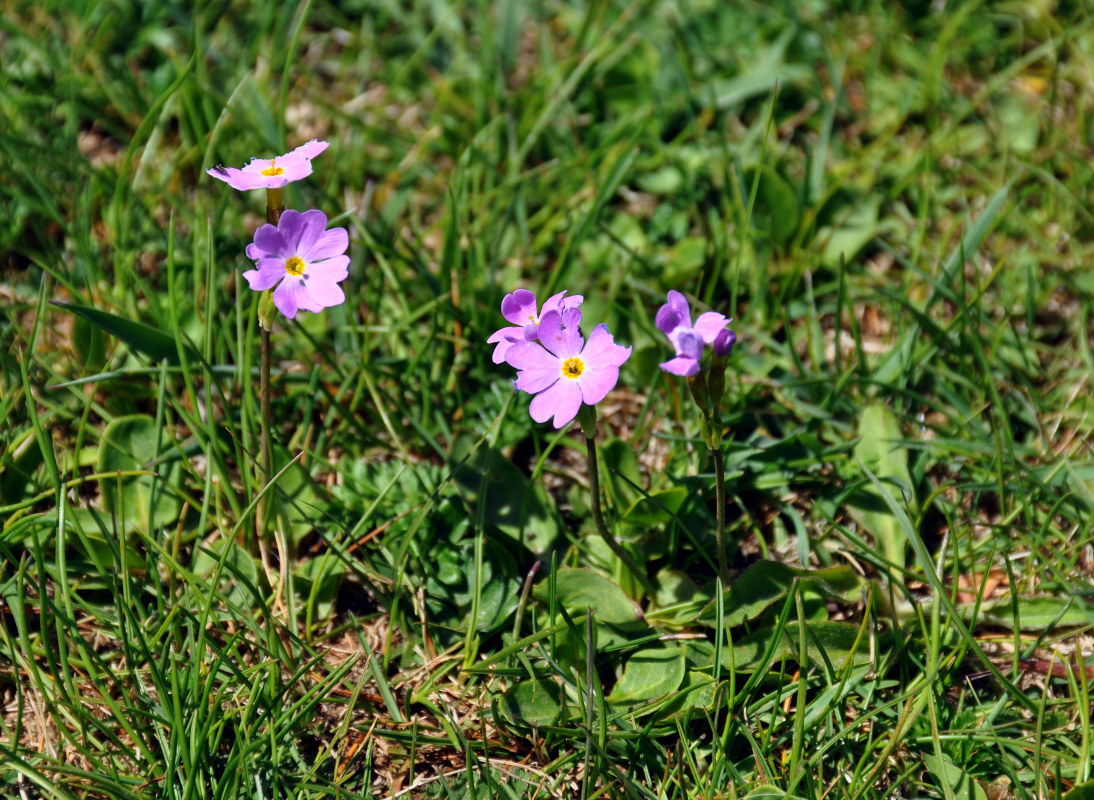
(572, 368)
(295, 266)
(272, 170)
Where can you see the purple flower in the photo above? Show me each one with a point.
(519, 307)
(674, 319)
(302, 259)
(271, 173)
(562, 370)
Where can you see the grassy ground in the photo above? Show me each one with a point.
(891, 200)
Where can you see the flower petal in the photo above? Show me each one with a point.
(687, 342)
(602, 351)
(270, 271)
(561, 333)
(681, 366)
(562, 401)
(504, 338)
(596, 383)
(321, 293)
(333, 270)
(269, 242)
(329, 244)
(308, 150)
(519, 307)
(310, 227)
(286, 296)
(709, 324)
(674, 313)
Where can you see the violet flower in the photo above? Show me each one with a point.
(674, 320)
(302, 259)
(563, 370)
(519, 307)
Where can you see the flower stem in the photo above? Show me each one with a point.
(602, 529)
(262, 512)
(720, 512)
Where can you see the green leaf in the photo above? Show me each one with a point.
(580, 589)
(834, 642)
(1034, 614)
(881, 450)
(777, 211)
(649, 674)
(768, 582)
(854, 229)
(130, 444)
(142, 338)
(657, 509)
(1082, 791)
(533, 702)
(949, 774)
(511, 502)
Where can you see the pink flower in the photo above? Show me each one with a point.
(302, 259)
(271, 173)
(519, 307)
(674, 320)
(562, 370)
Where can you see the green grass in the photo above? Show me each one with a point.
(892, 202)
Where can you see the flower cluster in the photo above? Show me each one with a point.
(297, 258)
(553, 361)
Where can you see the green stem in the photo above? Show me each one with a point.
(262, 512)
(602, 529)
(720, 512)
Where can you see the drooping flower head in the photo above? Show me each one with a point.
(302, 259)
(563, 370)
(271, 173)
(674, 320)
(519, 307)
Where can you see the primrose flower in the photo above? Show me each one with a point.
(519, 307)
(302, 259)
(674, 320)
(562, 370)
(271, 173)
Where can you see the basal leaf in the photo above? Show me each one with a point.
(142, 338)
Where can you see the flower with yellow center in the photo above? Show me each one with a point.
(562, 369)
(271, 173)
(303, 259)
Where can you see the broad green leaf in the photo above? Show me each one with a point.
(657, 509)
(1082, 791)
(768, 582)
(1034, 613)
(838, 642)
(949, 774)
(580, 589)
(511, 502)
(142, 338)
(880, 449)
(696, 691)
(130, 444)
(533, 702)
(649, 674)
